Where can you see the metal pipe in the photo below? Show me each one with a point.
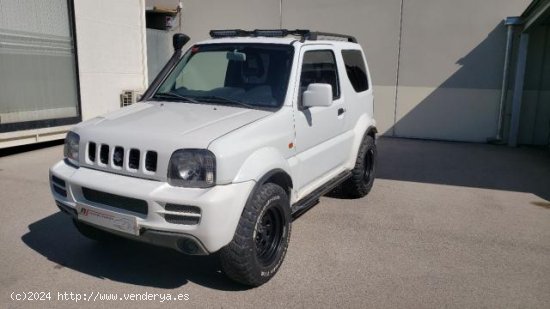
(518, 89)
(510, 22)
(398, 67)
(162, 75)
(505, 78)
(178, 41)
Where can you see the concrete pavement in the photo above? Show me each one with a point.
(446, 225)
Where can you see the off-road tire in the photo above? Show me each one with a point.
(94, 233)
(258, 249)
(364, 172)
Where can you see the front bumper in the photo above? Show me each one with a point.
(220, 206)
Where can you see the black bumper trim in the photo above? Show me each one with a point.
(66, 209)
(184, 243)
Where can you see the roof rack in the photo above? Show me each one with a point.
(302, 33)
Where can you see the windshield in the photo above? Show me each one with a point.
(247, 75)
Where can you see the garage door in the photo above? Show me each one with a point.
(38, 79)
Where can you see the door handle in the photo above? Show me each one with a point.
(341, 111)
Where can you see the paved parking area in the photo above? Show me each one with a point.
(446, 225)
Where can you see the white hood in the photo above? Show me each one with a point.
(161, 127)
(181, 125)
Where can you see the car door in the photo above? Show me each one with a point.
(318, 129)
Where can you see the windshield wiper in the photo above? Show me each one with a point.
(213, 98)
(173, 95)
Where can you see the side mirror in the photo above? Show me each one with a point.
(317, 95)
(178, 40)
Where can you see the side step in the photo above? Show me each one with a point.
(312, 199)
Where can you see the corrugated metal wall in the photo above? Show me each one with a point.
(436, 64)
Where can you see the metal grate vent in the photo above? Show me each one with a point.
(59, 186)
(133, 159)
(151, 161)
(58, 181)
(92, 151)
(185, 220)
(115, 201)
(118, 156)
(129, 97)
(104, 154)
(183, 208)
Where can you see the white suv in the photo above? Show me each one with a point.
(232, 140)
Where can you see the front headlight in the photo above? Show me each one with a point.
(193, 168)
(70, 151)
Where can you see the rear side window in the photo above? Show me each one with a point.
(319, 67)
(355, 67)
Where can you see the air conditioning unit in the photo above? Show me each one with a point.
(129, 97)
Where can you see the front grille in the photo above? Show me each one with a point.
(59, 186)
(133, 159)
(183, 208)
(58, 181)
(182, 214)
(91, 152)
(60, 191)
(151, 161)
(185, 220)
(104, 154)
(116, 201)
(118, 158)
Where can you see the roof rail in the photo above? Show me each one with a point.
(302, 33)
(314, 36)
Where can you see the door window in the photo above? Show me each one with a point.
(356, 69)
(319, 67)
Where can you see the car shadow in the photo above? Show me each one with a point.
(338, 193)
(524, 169)
(56, 238)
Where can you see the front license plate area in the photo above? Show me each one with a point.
(108, 219)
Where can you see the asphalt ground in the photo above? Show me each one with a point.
(446, 225)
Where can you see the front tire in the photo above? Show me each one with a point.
(364, 172)
(260, 242)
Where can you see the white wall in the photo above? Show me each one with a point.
(112, 53)
(199, 16)
(450, 72)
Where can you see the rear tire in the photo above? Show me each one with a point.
(364, 172)
(260, 242)
(94, 233)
